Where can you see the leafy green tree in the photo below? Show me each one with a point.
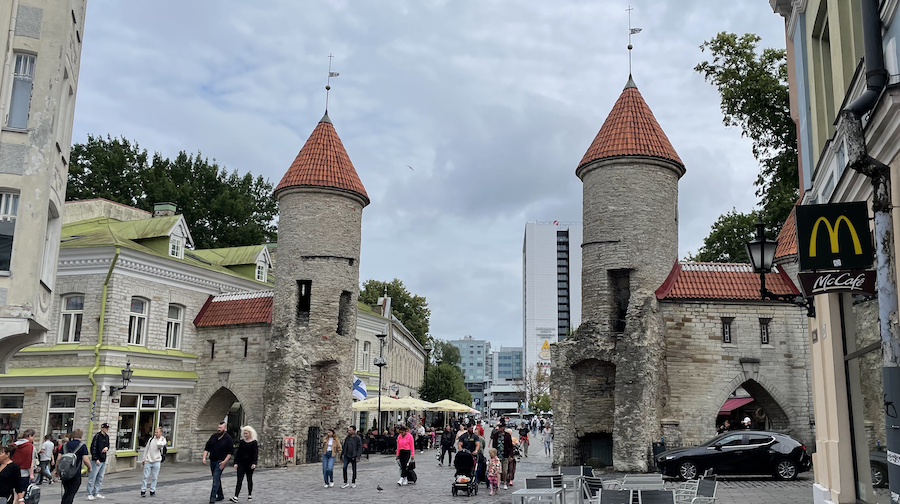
(540, 404)
(446, 352)
(222, 209)
(411, 309)
(754, 96)
(726, 240)
(445, 381)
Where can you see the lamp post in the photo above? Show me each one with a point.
(761, 252)
(126, 379)
(380, 362)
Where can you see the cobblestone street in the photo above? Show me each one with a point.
(190, 483)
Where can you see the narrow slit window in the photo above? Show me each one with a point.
(303, 297)
(726, 329)
(344, 314)
(212, 349)
(764, 325)
(246, 346)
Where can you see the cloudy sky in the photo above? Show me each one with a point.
(492, 103)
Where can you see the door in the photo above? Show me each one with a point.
(728, 455)
(146, 424)
(758, 457)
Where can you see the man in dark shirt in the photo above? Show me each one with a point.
(99, 448)
(502, 441)
(469, 440)
(351, 450)
(76, 446)
(523, 437)
(219, 449)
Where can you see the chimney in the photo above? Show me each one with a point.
(164, 209)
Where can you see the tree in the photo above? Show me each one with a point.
(446, 352)
(726, 240)
(534, 385)
(445, 381)
(222, 209)
(412, 310)
(754, 92)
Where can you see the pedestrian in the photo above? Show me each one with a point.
(547, 437)
(150, 461)
(82, 456)
(352, 449)
(493, 471)
(502, 441)
(331, 448)
(746, 424)
(446, 445)
(24, 458)
(406, 451)
(725, 427)
(523, 438)
(469, 440)
(245, 461)
(9, 475)
(99, 448)
(219, 449)
(45, 457)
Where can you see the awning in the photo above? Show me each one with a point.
(734, 403)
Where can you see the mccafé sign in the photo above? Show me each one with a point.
(835, 249)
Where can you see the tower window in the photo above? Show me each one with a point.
(620, 284)
(344, 314)
(726, 329)
(303, 298)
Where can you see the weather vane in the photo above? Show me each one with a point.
(328, 83)
(631, 31)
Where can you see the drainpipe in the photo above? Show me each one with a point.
(94, 369)
(880, 174)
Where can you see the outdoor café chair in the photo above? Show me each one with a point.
(615, 497)
(556, 479)
(706, 491)
(643, 482)
(656, 497)
(540, 483)
(587, 471)
(590, 487)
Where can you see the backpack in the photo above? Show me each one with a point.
(33, 494)
(68, 465)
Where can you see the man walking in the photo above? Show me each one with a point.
(45, 457)
(446, 446)
(352, 449)
(24, 458)
(82, 456)
(523, 438)
(218, 449)
(502, 442)
(151, 461)
(99, 447)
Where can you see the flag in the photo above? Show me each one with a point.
(359, 389)
(335, 74)
(634, 31)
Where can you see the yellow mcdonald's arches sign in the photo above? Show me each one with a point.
(546, 345)
(847, 242)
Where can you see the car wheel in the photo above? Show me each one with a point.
(688, 470)
(785, 470)
(879, 475)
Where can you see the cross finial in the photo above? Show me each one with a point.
(328, 82)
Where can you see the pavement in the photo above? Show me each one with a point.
(190, 482)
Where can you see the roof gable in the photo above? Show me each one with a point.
(254, 307)
(233, 256)
(721, 281)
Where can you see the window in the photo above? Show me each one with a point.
(764, 330)
(173, 326)
(176, 247)
(620, 284)
(345, 314)
(726, 329)
(20, 103)
(61, 415)
(303, 299)
(262, 272)
(10, 417)
(212, 349)
(246, 342)
(9, 207)
(51, 247)
(70, 323)
(137, 321)
(367, 348)
(140, 415)
(732, 440)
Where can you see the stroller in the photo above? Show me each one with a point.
(464, 477)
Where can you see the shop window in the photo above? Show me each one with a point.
(72, 315)
(61, 415)
(137, 321)
(173, 326)
(764, 325)
(10, 417)
(9, 208)
(125, 433)
(726, 329)
(139, 416)
(20, 101)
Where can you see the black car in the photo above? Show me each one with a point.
(739, 452)
(878, 463)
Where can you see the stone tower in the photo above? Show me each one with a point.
(310, 354)
(607, 377)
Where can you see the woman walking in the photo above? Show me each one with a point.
(406, 451)
(245, 462)
(9, 476)
(547, 435)
(331, 448)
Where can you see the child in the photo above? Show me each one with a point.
(493, 472)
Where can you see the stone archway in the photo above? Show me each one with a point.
(222, 405)
(769, 413)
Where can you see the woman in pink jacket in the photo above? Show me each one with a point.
(406, 451)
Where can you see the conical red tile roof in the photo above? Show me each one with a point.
(323, 162)
(630, 130)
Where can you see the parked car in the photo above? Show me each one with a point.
(739, 452)
(878, 463)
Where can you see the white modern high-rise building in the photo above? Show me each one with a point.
(551, 286)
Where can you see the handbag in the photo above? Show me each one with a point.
(411, 465)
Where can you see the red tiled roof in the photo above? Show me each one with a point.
(630, 130)
(323, 162)
(787, 238)
(692, 280)
(236, 308)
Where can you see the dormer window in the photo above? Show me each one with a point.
(262, 272)
(176, 247)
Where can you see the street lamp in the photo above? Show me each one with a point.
(380, 362)
(761, 252)
(126, 379)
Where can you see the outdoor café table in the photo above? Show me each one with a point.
(555, 495)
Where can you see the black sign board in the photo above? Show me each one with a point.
(834, 237)
(824, 282)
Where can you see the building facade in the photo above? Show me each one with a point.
(551, 287)
(38, 86)
(475, 365)
(843, 68)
